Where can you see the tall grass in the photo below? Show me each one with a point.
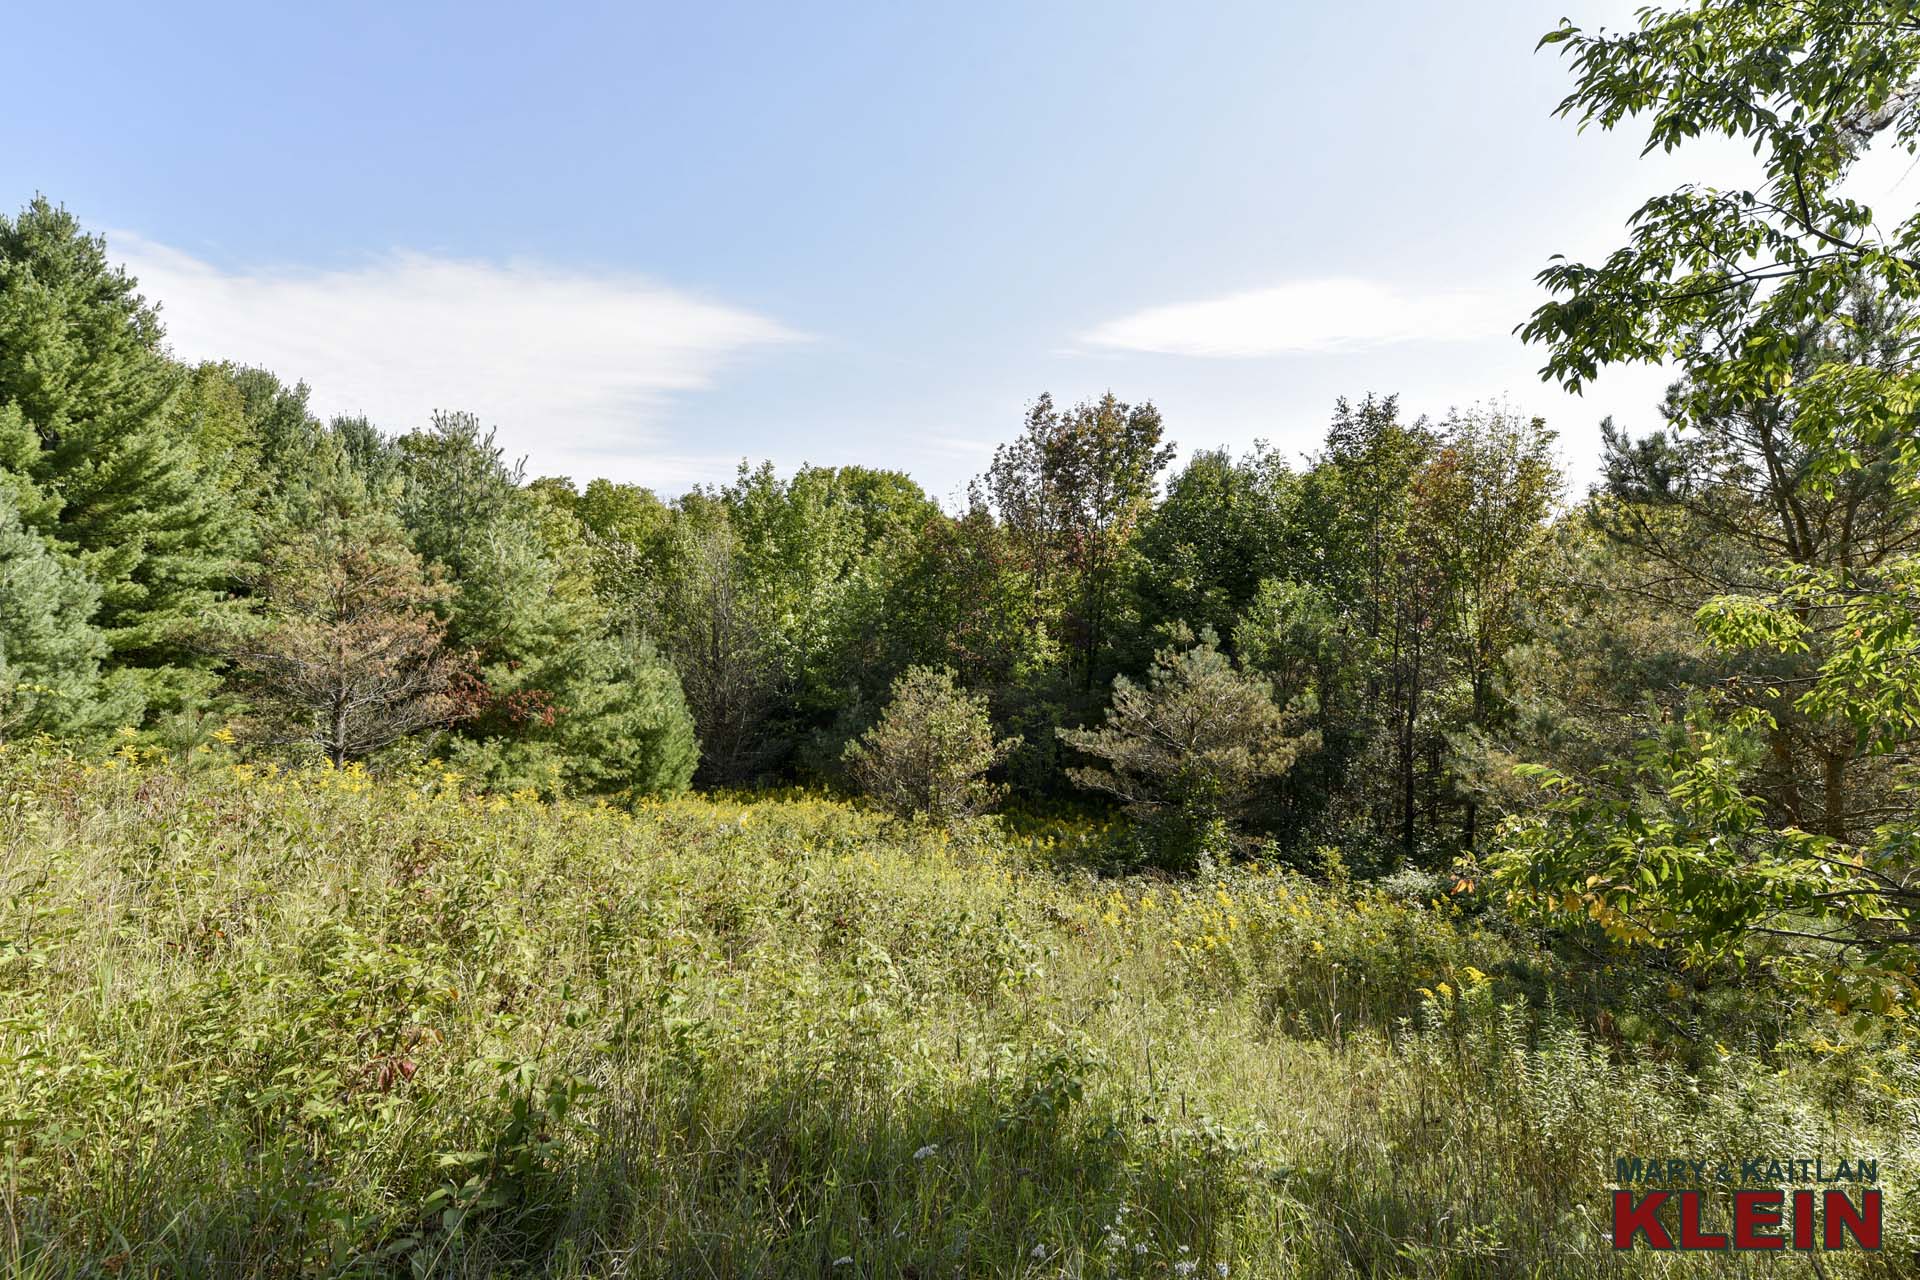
(263, 1024)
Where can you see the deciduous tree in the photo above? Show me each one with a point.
(1072, 488)
(1729, 284)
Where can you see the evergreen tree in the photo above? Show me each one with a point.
(49, 650)
(929, 753)
(354, 656)
(1187, 750)
(120, 486)
(561, 700)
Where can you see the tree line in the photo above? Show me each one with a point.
(1245, 652)
(190, 546)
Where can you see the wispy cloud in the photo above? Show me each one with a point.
(1308, 316)
(573, 368)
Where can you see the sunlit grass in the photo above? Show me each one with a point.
(266, 1023)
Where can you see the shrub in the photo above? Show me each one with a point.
(929, 752)
(1186, 750)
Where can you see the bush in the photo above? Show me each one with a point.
(929, 753)
(1187, 750)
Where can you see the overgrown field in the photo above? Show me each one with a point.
(254, 1023)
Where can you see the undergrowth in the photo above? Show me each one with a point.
(265, 1024)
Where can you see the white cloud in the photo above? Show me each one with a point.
(572, 368)
(1307, 317)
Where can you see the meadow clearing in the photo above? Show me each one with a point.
(266, 1023)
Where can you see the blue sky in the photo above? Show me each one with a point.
(648, 241)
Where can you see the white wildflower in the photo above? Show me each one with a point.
(1039, 1253)
(931, 1148)
(1140, 1250)
(1220, 1269)
(843, 1262)
(1185, 1267)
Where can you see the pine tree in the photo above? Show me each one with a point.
(354, 656)
(1187, 750)
(561, 702)
(119, 485)
(929, 752)
(49, 650)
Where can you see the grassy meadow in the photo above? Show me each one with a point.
(258, 1023)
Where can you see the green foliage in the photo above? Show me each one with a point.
(688, 594)
(118, 484)
(625, 732)
(262, 1022)
(1713, 506)
(1385, 590)
(1186, 750)
(399, 1016)
(562, 700)
(1291, 633)
(352, 656)
(49, 650)
(1680, 850)
(1483, 505)
(608, 629)
(1071, 489)
(1222, 529)
(1297, 637)
(1360, 544)
(800, 543)
(765, 595)
(930, 750)
(959, 595)
(1723, 280)
(1790, 377)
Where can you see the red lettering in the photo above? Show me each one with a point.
(1803, 1219)
(1863, 1224)
(1753, 1210)
(1691, 1236)
(1630, 1219)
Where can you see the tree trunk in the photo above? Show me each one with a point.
(1782, 752)
(1408, 815)
(337, 732)
(1833, 772)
